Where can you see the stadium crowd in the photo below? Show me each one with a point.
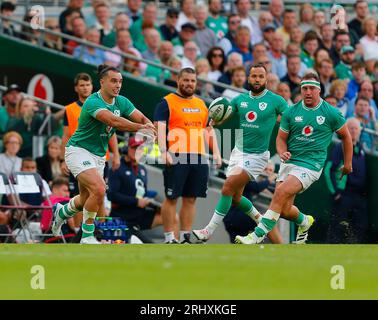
(220, 45)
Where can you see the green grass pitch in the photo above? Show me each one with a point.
(188, 271)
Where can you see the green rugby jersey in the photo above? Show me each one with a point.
(310, 132)
(218, 25)
(94, 135)
(257, 117)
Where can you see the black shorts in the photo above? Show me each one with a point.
(186, 180)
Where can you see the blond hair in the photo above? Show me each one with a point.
(11, 134)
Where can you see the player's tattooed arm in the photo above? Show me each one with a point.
(281, 145)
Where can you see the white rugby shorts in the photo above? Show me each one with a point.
(79, 160)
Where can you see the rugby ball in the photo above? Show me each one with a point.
(220, 109)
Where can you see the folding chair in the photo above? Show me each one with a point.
(5, 192)
(28, 192)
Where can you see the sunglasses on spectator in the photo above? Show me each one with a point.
(173, 16)
(215, 55)
(235, 21)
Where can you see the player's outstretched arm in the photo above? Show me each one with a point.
(281, 145)
(346, 140)
(120, 123)
(139, 117)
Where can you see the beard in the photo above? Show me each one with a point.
(186, 92)
(255, 90)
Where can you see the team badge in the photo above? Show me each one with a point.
(117, 113)
(320, 120)
(307, 131)
(262, 106)
(251, 116)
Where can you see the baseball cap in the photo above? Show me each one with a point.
(12, 87)
(189, 25)
(172, 12)
(346, 49)
(269, 26)
(135, 142)
(7, 5)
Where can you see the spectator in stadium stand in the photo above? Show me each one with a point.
(294, 49)
(216, 21)
(276, 8)
(310, 45)
(78, 29)
(283, 90)
(175, 63)
(277, 56)
(362, 10)
(102, 24)
(49, 165)
(52, 41)
(217, 61)
(9, 161)
(90, 17)
(265, 19)
(133, 10)
(289, 22)
(349, 219)
(268, 33)
(365, 114)
(28, 33)
(366, 91)
(121, 22)
(259, 50)
(71, 15)
(148, 20)
(375, 85)
(319, 56)
(306, 17)
(238, 80)
(292, 77)
(243, 45)
(152, 40)
(228, 41)
(202, 68)
(165, 52)
(124, 43)
(7, 9)
(273, 82)
(234, 60)
(342, 39)
(296, 35)
(128, 191)
(331, 100)
(319, 21)
(27, 121)
(359, 75)
(60, 193)
(186, 34)
(168, 29)
(344, 67)
(11, 97)
(131, 65)
(186, 13)
(369, 42)
(338, 90)
(72, 5)
(374, 75)
(190, 55)
(204, 37)
(243, 8)
(326, 75)
(237, 222)
(264, 60)
(327, 34)
(87, 53)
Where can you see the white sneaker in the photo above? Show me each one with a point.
(249, 239)
(56, 227)
(202, 235)
(89, 240)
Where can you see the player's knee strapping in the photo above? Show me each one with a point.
(88, 215)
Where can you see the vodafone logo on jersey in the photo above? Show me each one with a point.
(251, 116)
(41, 87)
(307, 131)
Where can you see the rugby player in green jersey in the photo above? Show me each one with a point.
(102, 114)
(257, 111)
(306, 130)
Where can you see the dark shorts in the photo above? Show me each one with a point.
(186, 180)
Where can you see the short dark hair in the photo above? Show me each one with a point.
(186, 70)
(60, 181)
(103, 69)
(359, 97)
(358, 65)
(311, 76)
(341, 33)
(237, 69)
(358, 2)
(257, 65)
(288, 11)
(310, 35)
(82, 76)
(7, 5)
(27, 159)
